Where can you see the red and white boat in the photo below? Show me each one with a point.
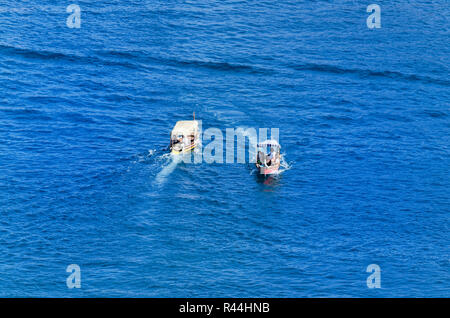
(268, 158)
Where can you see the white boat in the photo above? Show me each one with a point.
(184, 137)
(268, 158)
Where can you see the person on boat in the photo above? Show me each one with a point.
(270, 156)
(260, 158)
(179, 139)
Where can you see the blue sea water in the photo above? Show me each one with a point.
(363, 115)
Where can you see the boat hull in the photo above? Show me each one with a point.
(184, 150)
(268, 170)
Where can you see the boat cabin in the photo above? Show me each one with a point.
(184, 136)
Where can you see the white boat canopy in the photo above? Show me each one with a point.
(270, 143)
(185, 128)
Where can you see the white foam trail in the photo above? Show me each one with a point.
(284, 165)
(161, 177)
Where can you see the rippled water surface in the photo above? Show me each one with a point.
(85, 115)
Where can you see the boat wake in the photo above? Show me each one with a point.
(171, 162)
(284, 165)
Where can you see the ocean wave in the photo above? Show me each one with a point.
(26, 113)
(364, 73)
(213, 65)
(33, 54)
(220, 66)
(45, 55)
(131, 59)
